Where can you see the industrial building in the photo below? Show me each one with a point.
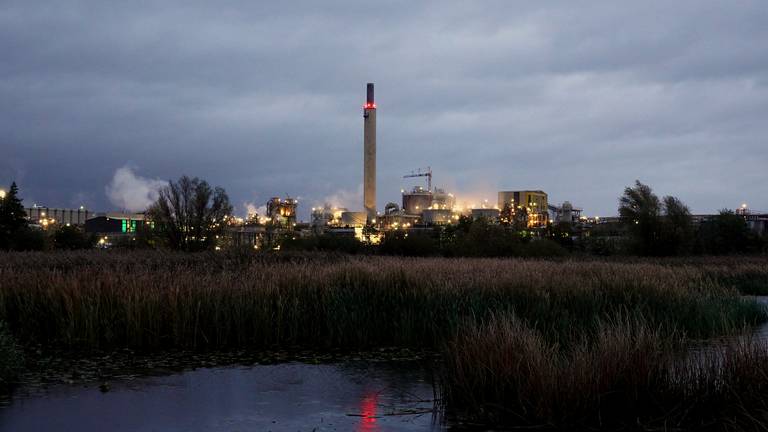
(394, 218)
(322, 217)
(439, 216)
(533, 204)
(115, 227)
(243, 235)
(757, 221)
(45, 216)
(281, 212)
(565, 213)
(432, 206)
(417, 200)
(490, 214)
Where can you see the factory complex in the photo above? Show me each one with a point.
(422, 208)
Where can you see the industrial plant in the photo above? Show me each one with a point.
(423, 206)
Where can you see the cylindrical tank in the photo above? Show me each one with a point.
(416, 201)
(391, 208)
(437, 216)
(442, 200)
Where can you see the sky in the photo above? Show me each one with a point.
(101, 102)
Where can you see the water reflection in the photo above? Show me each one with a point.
(292, 397)
(368, 413)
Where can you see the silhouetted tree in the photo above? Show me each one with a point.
(640, 210)
(677, 228)
(658, 227)
(189, 214)
(520, 221)
(71, 238)
(726, 233)
(13, 218)
(410, 244)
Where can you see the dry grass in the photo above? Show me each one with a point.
(629, 376)
(153, 300)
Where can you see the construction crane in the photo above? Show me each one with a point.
(425, 173)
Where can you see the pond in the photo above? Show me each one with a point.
(345, 396)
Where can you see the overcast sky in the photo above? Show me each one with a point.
(578, 99)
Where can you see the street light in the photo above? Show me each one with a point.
(2, 193)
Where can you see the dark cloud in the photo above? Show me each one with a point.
(264, 98)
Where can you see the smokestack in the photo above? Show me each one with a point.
(369, 155)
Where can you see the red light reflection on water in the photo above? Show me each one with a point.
(368, 408)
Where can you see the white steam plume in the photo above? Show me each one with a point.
(349, 199)
(130, 192)
(251, 209)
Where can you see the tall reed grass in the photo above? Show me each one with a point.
(151, 300)
(630, 376)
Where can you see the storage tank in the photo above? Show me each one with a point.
(442, 200)
(391, 208)
(437, 216)
(417, 200)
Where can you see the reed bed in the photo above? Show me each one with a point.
(568, 344)
(151, 300)
(628, 377)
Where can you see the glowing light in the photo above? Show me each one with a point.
(369, 106)
(2, 194)
(368, 413)
(744, 205)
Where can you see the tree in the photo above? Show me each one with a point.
(520, 221)
(677, 227)
(726, 233)
(13, 218)
(189, 214)
(659, 227)
(71, 238)
(640, 210)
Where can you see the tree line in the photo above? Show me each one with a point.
(665, 227)
(190, 215)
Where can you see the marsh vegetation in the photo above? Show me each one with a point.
(568, 343)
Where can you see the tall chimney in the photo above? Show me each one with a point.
(369, 155)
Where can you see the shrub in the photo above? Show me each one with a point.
(71, 238)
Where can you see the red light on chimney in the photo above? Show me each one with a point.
(369, 106)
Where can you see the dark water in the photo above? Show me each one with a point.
(350, 396)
